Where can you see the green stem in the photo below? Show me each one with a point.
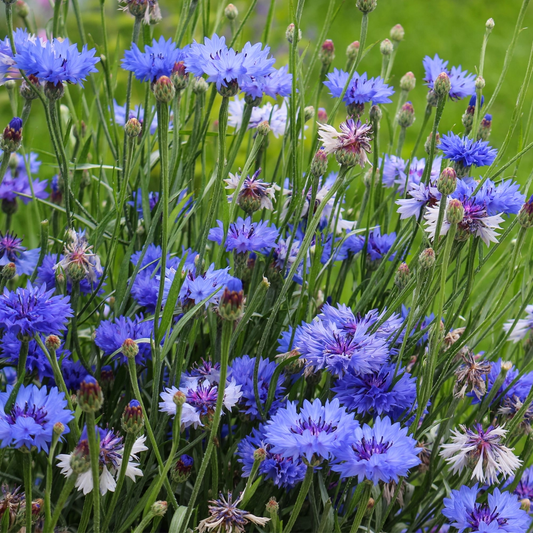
(304, 489)
(68, 487)
(94, 452)
(144, 522)
(248, 493)
(246, 115)
(26, 466)
(175, 136)
(21, 373)
(49, 477)
(363, 504)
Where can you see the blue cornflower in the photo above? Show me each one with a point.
(466, 151)
(34, 310)
(317, 432)
(421, 326)
(501, 512)
(110, 335)
(242, 371)
(462, 83)
(33, 416)
(246, 236)
(361, 89)
(56, 61)
(394, 171)
(421, 195)
(197, 287)
(380, 453)
(73, 373)
(156, 60)
(283, 472)
(524, 489)
(12, 251)
(137, 112)
(7, 61)
(378, 245)
(278, 83)
(379, 393)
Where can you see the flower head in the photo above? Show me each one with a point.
(34, 310)
(32, 417)
(379, 244)
(379, 453)
(462, 83)
(246, 236)
(12, 251)
(466, 151)
(316, 432)
(482, 448)
(254, 193)
(395, 172)
(522, 327)
(361, 89)
(111, 458)
(501, 512)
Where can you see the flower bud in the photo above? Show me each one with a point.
(319, 165)
(525, 505)
(54, 91)
(442, 85)
(28, 91)
(199, 86)
(230, 89)
(260, 454)
(231, 12)
(133, 128)
(159, 508)
(179, 77)
(137, 8)
(432, 99)
(179, 398)
(427, 258)
(322, 115)
(397, 33)
(455, 211)
(8, 271)
(347, 158)
(59, 428)
(183, 468)
(12, 137)
(375, 114)
(272, 506)
(90, 397)
(231, 304)
(130, 348)
(408, 82)
(107, 378)
(366, 6)
(447, 182)
(480, 83)
(489, 24)
(22, 9)
(327, 53)
(309, 113)
(76, 271)
(80, 460)
(9, 207)
(386, 47)
(484, 128)
(289, 34)
(401, 277)
(525, 216)
(163, 90)
(352, 50)
(406, 115)
(355, 110)
(52, 343)
(263, 128)
(133, 418)
(427, 144)
(254, 101)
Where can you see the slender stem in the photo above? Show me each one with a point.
(144, 522)
(9, 21)
(304, 489)
(68, 487)
(175, 136)
(363, 504)
(26, 466)
(246, 115)
(49, 476)
(248, 492)
(21, 373)
(94, 452)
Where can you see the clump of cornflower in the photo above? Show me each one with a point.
(205, 370)
(79, 261)
(378, 244)
(350, 245)
(225, 516)
(56, 61)
(522, 327)
(462, 83)
(388, 392)
(254, 194)
(153, 199)
(471, 376)
(383, 452)
(244, 235)
(242, 372)
(361, 90)
(111, 458)
(8, 70)
(501, 512)
(230, 70)
(351, 145)
(394, 173)
(524, 488)
(466, 152)
(18, 184)
(12, 251)
(283, 472)
(482, 449)
(34, 310)
(200, 400)
(314, 434)
(276, 115)
(31, 420)
(421, 195)
(156, 61)
(284, 256)
(111, 334)
(137, 112)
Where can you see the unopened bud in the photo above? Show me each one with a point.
(525, 216)
(179, 77)
(397, 33)
(230, 89)
(319, 165)
(455, 211)
(231, 304)
(366, 6)
(442, 85)
(272, 506)
(432, 98)
(352, 50)
(54, 91)
(8, 271)
(59, 428)
(130, 348)
(322, 116)
(480, 83)
(29, 91)
(133, 417)
(22, 9)
(52, 343)
(231, 12)
(163, 90)
(11, 138)
(427, 258)
(406, 115)
(90, 397)
(525, 505)
(402, 276)
(289, 34)
(182, 471)
(408, 82)
(199, 86)
(179, 398)
(484, 128)
(427, 144)
(107, 378)
(133, 128)
(489, 24)
(263, 128)
(260, 454)
(375, 114)
(327, 53)
(347, 158)
(159, 508)
(386, 47)
(309, 113)
(447, 182)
